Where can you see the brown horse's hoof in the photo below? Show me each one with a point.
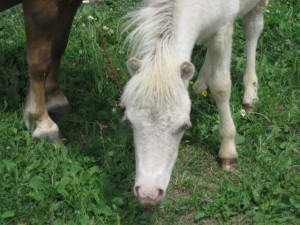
(227, 163)
(58, 112)
(54, 138)
(60, 139)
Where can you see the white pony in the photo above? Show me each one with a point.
(156, 98)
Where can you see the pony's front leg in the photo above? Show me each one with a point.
(253, 25)
(219, 52)
(57, 103)
(39, 24)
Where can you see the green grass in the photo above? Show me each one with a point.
(90, 180)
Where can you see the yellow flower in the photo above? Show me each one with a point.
(243, 112)
(119, 104)
(197, 83)
(204, 93)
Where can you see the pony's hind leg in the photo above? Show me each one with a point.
(57, 103)
(202, 80)
(253, 25)
(40, 18)
(219, 52)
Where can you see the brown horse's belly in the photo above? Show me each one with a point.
(6, 4)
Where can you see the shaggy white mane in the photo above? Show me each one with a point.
(158, 80)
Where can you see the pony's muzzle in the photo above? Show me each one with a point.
(149, 196)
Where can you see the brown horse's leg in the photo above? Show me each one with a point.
(40, 19)
(57, 103)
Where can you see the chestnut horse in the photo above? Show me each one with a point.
(47, 24)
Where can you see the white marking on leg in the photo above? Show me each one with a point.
(46, 128)
(38, 121)
(56, 101)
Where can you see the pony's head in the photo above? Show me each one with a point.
(158, 107)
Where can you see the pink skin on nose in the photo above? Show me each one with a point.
(149, 196)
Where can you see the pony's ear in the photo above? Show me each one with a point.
(133, 65)
(187, 70)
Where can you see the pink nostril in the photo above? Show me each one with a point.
(161, 194)
(149, 197)
(136, 191)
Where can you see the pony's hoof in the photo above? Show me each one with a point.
(227, 163)
(248, 107)
(250, 104)
(58, 112)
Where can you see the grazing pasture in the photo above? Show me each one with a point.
(89, 181)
